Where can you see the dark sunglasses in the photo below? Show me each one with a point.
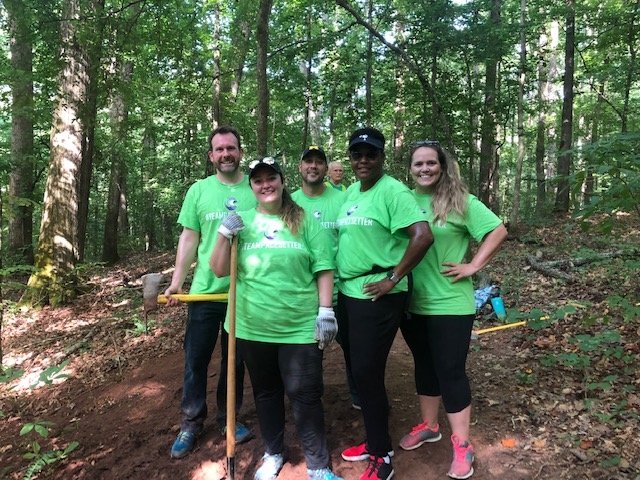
(371, 155)
(425, 143)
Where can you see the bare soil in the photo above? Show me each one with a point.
(121, 399)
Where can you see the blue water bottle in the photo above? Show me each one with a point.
(498, 307)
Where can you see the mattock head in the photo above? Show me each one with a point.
(150, 287)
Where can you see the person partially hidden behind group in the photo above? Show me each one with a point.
(285, 319)
(335, 174)
(382, 236)
(324, 203)
(442, 306)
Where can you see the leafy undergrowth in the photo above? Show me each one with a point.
(576, 360)
(559, 394)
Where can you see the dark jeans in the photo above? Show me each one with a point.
(368, 331)
(201, 335)
(276, 369)
(440, 344)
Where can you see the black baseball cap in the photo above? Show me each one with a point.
(266, 162)
(314, 149)
(369, 136)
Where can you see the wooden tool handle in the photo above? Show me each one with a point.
(196, 297)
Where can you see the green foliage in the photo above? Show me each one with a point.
(10, 374)
(614, 164)
(51, 374)
(40, 459)
(140, 326)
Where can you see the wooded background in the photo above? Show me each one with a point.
(107, 107)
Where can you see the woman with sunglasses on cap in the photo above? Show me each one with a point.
(285, 318)
(382, 236)
(442, 306)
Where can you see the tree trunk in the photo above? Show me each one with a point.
(488, 129)
(631, 72)
(589, 181)
(541, 129)
(564, 159)
(368, 75)
(216, 66)
(22, 160)
(57, 255)
(306, 70)
(91, 52)
(118, 114)
(148, 170)
(517, 181)
(261, 74)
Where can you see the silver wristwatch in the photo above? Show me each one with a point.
(393, 277)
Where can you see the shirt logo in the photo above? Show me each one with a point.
(271, 233)
(352, 210)
(231, 203)
(317, 214)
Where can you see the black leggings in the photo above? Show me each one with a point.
(367, 332)
(439, 344)
(276, 369)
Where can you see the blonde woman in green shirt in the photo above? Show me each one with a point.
(442, 307)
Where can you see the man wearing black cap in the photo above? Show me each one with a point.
(382, 236)
(323, 202)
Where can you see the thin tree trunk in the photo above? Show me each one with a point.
(488, 129)
(118, 114)
(216, 66)
(564, 159)
(631, 72)
(261, 74)
(22, 163)
(368, 76)
(517, 184)
(589, 181)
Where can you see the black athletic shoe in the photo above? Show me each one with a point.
(378, 469)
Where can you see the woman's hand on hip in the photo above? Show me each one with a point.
(378, 289)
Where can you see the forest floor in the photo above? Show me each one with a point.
(555, 399)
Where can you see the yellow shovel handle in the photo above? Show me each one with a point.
(501, 327)
(196, 297)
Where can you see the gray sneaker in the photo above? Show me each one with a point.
(419, 435)
(271, 466)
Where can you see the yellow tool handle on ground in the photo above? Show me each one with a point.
(501, 327)
(196, 297)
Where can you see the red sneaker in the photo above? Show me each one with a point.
(359, 452)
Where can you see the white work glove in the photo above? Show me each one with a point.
(326, 327)
(231, 225)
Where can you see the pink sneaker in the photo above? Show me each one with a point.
(462, 465)
(420, 434)
(359, 452)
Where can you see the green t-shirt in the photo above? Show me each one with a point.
(207, 202)
(433, 293)
(370, 232)
(325, 209)
(339, 188)
(277, 290)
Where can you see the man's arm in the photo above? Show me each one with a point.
(185, 255)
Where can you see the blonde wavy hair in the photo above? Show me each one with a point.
(450, 193)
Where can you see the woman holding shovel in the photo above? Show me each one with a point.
(284, 317)
(442, 306)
